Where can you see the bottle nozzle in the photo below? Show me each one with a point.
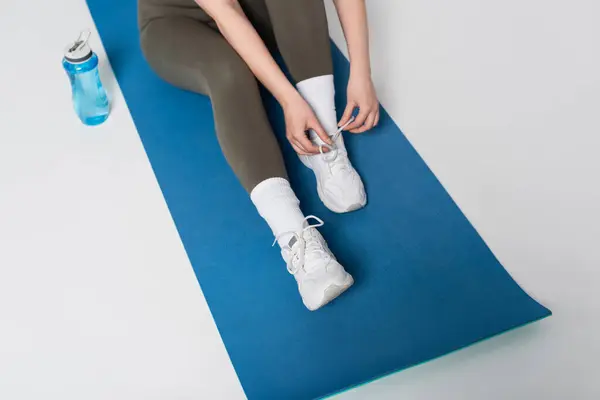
(79, 51)
(81, 41)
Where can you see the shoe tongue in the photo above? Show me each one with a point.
(292, 241)
(314, 259)
(306, 235)
(314, 250)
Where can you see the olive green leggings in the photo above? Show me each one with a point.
(183, 46)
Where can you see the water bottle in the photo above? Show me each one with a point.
(89, 97)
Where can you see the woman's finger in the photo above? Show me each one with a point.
(347, 113)
(359, 120)
(297, 149)
(295, 142)
(316, 126)
(376, 119)
(308, 146)
(369, 122)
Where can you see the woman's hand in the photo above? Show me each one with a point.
(299, 118)
(361, 94)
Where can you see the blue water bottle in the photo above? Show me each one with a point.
(89, 96)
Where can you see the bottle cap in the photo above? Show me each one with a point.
(79, 51)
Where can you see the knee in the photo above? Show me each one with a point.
(150, 42)
(230, 75)
(146, 30)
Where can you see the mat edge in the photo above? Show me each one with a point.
(480, 341)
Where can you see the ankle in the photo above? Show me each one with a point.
(277, 203)
(319, 93)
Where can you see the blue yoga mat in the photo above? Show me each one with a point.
(426, 283)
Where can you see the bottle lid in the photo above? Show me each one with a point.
(79, 51)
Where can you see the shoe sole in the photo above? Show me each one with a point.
(351, 208)
(334, 291)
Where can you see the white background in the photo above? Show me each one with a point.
(97, 297)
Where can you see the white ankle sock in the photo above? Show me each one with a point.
(277, 203)
(319, 93)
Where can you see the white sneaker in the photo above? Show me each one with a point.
(338, 184)
(319, 276)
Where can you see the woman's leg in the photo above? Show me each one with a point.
(300, 29)
(302, 36)
(193, 56)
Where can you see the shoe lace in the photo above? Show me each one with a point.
(307, 247)
(336, 160)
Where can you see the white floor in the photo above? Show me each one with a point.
(97, 297)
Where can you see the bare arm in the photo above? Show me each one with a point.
(241, 35)
(353, 16)
(361, 92)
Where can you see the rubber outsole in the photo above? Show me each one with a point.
(351, 208)
(332, 292)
